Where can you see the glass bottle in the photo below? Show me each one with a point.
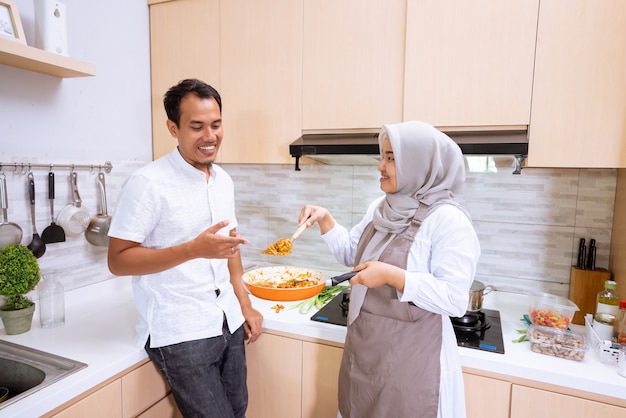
(607, 308)
(51, 302)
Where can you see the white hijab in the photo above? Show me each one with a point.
(430, 170)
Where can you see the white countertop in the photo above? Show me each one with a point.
(99, 330)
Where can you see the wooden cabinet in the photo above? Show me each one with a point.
(579, 100)
(289, 377)
(288, 66)
(251, 53)
(104, 403)
(536, 403)
(184, 43)
(139, 391)
(260, 56)
(142, 388)
(320, 375)
(353, 63)
(274, 377)
(165, 408)
(26, 57)
(469, 63)
(486, 397)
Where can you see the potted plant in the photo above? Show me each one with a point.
(19, 274)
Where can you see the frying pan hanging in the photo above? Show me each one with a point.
(10, 233)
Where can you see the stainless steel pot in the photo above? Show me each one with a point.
(476, 293)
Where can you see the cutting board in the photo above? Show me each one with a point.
(584, 286)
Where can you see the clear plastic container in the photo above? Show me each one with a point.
(557, 342)
(51, 302)
(551, 310)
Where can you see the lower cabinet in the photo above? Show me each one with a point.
(140, 391)
(289, 378)
(486, 397)
(491, 397)
(537, 403)
(103, 403)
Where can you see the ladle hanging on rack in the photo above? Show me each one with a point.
(36, 246)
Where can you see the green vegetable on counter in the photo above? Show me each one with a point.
(522, 338)
(526, 320)
(321, 299)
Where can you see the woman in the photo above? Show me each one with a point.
(416, 253)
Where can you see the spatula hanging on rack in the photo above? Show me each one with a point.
(53, 232)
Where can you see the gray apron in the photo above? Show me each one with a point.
(391, 359)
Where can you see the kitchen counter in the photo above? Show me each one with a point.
(99, 330)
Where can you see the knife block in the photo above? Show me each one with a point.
(584, 286)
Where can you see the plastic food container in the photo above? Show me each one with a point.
(557, 342)
(551, 310)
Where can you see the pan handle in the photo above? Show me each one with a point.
(103, 194)
(74, 186)
(334, 281)
(3, 196)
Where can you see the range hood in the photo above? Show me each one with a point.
(362, 148)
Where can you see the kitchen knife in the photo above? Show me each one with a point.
(334, 281)
(581, 254)
(591, 257)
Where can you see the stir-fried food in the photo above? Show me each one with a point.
(282, 247)
(288, 278)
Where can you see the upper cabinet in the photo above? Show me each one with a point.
(251, 53)
(184, 43)
(260, 60)
(19, 55)
(469, 64)
(579, 91)
(352, 63)
(285, 67)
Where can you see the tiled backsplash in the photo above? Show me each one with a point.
(528, 224)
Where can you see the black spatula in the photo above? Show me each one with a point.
(53, 232)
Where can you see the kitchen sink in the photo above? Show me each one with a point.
(24, 370)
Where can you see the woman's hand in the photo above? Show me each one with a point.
(311, 214)
(376, 273)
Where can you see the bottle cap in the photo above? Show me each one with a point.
(610, 284)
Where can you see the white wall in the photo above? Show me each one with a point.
(88, 120)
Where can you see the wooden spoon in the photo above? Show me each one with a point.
(284, 245)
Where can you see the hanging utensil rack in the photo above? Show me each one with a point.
(24, 168)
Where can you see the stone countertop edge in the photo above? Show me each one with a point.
(99, 331)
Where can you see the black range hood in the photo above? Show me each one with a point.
(347, 148)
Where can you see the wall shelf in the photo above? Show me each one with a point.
(29, 58)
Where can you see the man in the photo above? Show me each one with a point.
(174, 230)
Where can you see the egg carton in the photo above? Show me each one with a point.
(607, 351)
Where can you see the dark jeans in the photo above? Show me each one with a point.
(207, 377)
